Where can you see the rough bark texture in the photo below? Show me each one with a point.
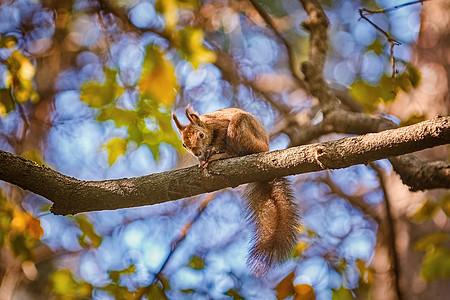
(71, 195)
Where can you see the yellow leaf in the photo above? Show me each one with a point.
(191, 40)
(88, 231)
(158, 81)
(426, 211)
(115, 147)
(169, 9)
(285, 287)
(22, 72)
(24, 222)
(304, 292)
(99, 95)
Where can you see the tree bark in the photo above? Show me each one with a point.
(71, 195)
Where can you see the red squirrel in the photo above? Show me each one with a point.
(233, 132)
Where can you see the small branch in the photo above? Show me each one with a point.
(393, 42)
(290, 51)
(71, 195)
(385, 10)
(183, 234)
(317, 25)
(364, 12)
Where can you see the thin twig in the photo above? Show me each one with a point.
(393, 42)
(290, 51)
(364, 12)
(391, 234)
(184, 232)
(385, 10)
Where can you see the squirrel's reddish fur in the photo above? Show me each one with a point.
(233, 132)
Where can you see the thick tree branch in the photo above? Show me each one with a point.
(71, 195)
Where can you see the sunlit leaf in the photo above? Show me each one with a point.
(304, 292)
(426, 211)
(169, 9)
(7, 103)
(431, 241)
(158, 81)
(285, 287)
(25, 223)
(436, 264)
(197, 262)
(120, 117)
(87, 231)
(62, 283)
(299, 249)
(34, 156)
(413, 119)
(115, 147)
(191, 41)
(97, 94)
(234, 294)
(445, 204)
(115, 275)
(22, 72)
(342, 294)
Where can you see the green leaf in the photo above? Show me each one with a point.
(365, 94)
(342, 294)
(115, 147)
(119, 292)
(115, 275)
(22, 246)
(197, 262)
(377, 47)
(156, 292)
(436, 264)
(99, 95)
(62, 283)
(413, 74)
(431, 241)
(120, 117)
(445, 204)
(7, 103)
(88, 231)
(426, 211)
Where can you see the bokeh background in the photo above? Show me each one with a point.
(87, 87)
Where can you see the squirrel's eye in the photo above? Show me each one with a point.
(184, 145)
(201, 135)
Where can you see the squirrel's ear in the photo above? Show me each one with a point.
(192, 115)
(179, 125)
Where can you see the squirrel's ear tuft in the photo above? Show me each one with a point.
(192, 115)
(179, 125)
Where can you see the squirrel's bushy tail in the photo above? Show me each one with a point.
(273, 212)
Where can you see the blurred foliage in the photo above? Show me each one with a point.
(131, 68)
